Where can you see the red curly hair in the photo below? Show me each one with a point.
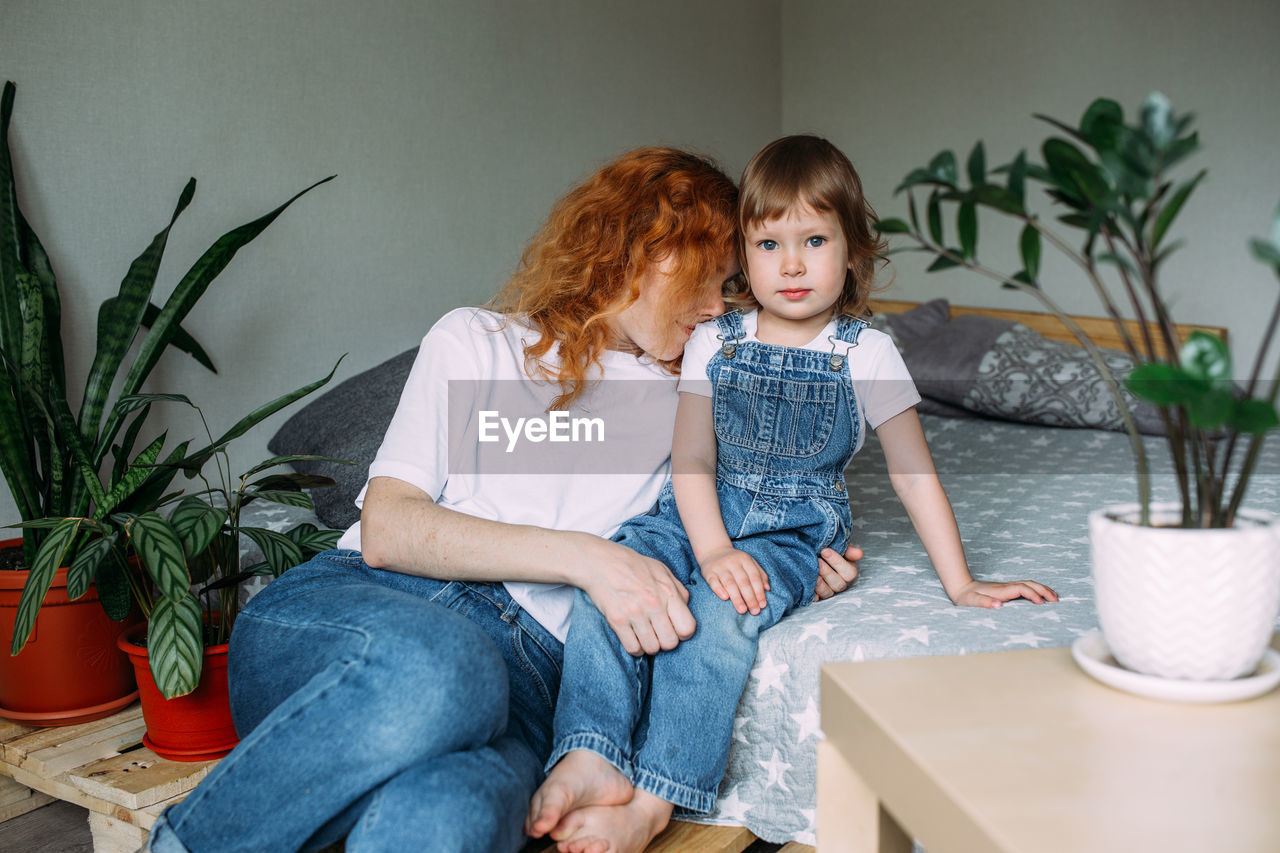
(583, 267)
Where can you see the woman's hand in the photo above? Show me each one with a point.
(644, 604)
(836, 573)
(988, 594)
(736, 576)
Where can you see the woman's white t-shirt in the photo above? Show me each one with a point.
(473, 431)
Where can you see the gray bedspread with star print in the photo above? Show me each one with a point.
(1021, 495)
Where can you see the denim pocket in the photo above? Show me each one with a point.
(766, 414)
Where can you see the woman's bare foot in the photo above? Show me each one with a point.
(626, 828)
(582, 778)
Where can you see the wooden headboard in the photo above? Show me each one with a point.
(1100, 330)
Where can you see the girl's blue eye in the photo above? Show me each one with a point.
(767, 245)
(815, 242)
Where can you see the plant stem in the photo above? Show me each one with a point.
(1135, 438)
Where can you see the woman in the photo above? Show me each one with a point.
(400, 690)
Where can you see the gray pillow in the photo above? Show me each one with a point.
(910, 331)
(1002, 369)
(346, 422)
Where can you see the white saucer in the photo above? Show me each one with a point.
(1094, 657)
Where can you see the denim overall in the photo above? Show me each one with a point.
(787, 423)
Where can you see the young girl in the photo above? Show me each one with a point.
(771, 410)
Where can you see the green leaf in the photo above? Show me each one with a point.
(942, 263)
(1029, 244)
(943, 168)
(131, 402)
(120, 317)
(1099, 126)
(967, 228)
(175, 647)
(892, 226)
(1206, 357)
(914, 178)
(1211, 408)
(977, 165)
(160, 549)
(285, 460)
(1018, 178)
(1022, 277)
(51, 556)
(197, 460)
(1164, 384)
(182, 339)
(934, 213)
(312, 540)
(196, 523)
(142, 468)
(293, 481)
(285, 497)
(189, 290)
(1267, 252)
(280, 552)
(113, 588)
(1253, 417)
(999, 198)
(1170, 210)
(85, 565)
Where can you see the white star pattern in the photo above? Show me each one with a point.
(1033, 640)
(733, 806)
(920, 634)
(818, 629)
(808, 721)
(769, 675)
(775, 767)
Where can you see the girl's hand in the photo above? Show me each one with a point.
(836, 573)
(735, 576)
(642, 601)
(988, 594)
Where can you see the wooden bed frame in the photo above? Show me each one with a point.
(1101, 330)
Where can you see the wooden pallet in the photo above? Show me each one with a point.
(101, 766)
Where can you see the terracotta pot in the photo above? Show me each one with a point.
(195, 727)
(71, 670)
(1186, 603)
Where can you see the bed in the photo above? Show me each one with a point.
(1026, 444)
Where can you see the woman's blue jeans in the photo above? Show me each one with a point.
(402, 712)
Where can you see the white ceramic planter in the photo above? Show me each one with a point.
(1191, 604)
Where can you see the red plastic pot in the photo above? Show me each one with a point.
(71, 670)
(195, 727)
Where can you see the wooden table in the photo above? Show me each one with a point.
(1022, 751)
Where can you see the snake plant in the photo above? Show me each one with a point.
(61, 462)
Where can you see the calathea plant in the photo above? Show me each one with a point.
(1114, 183)
(188, 543)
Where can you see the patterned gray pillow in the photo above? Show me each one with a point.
(1026, 377)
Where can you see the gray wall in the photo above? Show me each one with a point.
(452, 127)
(894, 83)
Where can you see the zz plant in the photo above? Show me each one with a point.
(60, 462)
(187, 543)
(1114, 182)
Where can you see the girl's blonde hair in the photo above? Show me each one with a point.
(809, 170)
(583, 267)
